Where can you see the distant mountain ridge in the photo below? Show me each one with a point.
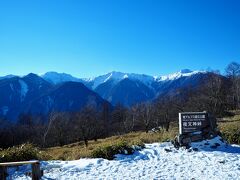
(32, 94)
(129, 88)
(93, 83)
(62, 92)
(57, 78)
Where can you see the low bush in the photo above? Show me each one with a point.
(24, 152)
(230, 129)
(232, 136)
(109, 151)
(137, 144)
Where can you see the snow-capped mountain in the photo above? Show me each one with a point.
(63, 92)
(177, 75)
(116, 77)
(32, 94)
(129, 88)
(58, 78)
(17, 92)
(126, 92)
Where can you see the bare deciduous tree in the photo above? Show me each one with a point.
(52, 118)
(146, 115)
(87, 125)
(233, 73)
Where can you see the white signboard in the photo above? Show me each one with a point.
(192, 122)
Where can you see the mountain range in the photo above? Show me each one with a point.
(52, 91)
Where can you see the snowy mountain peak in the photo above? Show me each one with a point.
(118, 76)
(182, 73)
(114, 76)
(56, 78)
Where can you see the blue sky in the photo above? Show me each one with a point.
(88, 38)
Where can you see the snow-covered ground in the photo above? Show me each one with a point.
(210, 159)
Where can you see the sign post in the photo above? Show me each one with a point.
(195, 126)
(190, 122)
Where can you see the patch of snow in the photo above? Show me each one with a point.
(11, 86)
(109, 77)
(5, 110)
(24, 89)
(153, 162)
(110, 99)
(137, 84)
(50, 102)
(88, 79)
(125, 76)
(177, 75)
(155, 78)
(116, 76)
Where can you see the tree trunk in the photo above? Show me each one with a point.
(86, 142)
(146, 129)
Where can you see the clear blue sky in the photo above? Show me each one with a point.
(88, 38)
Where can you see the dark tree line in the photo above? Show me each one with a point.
(233, 75)
(216, 94)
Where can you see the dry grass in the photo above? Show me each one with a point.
(229, 122)
(78, 150)
(228, 126)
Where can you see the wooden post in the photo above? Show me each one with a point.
(3, 173)
(36, 172)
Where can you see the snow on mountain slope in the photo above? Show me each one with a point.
(174, 76)
(156, 161)
(56, 78)
(118, 87)
(23, 89)
(118, 76)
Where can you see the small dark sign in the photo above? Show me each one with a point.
(192, 121)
